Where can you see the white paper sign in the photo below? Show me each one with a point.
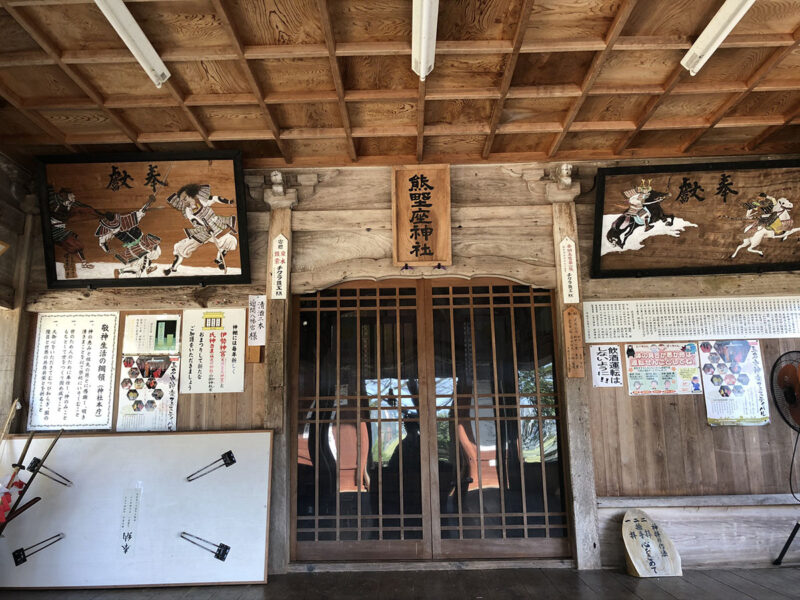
(131, 501)
(73, 371)
(569, 271)
(606, 366)
(727, 318)
(734, 382)
(212, 350)
(151, 334)
(280, 258)
(148, 393)
(257, 321)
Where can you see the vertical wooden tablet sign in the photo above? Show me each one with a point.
(421, 215)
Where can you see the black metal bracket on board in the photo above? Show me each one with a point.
(227, 459)
(36, 466)
(220, 551)
(21, 555)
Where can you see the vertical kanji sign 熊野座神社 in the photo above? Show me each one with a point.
(421, 215)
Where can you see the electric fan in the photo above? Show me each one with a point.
(785, 388)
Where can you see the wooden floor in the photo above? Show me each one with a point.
(555, 584)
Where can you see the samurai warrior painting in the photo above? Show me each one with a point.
(194, 201)
(139, 249)
(61, 205)
(644, 209)
(772, 218)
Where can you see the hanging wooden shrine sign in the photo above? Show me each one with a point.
(573, 342)
(421, 215)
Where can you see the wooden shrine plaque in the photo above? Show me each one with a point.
(421, 215)
(648, 550)
(573, 342)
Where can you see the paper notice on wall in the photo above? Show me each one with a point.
(151, 334)
(73, 371)
(734, 382)
(279, 267)
(131, 501)
(606, 366)
(148, 393)
(658, 368)
(257, 321)
(569, 271)
(212, 353)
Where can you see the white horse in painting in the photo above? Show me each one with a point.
(781, 228)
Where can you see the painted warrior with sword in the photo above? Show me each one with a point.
(194, 201)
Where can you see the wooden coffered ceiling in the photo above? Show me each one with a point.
(329, 82)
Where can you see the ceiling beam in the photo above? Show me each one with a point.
(222, 12)
(788, 118)
(53, 52)
(508, 75)
(330, 42)
(774, 58)
(600, 58)
(36, 119)
(179, 98)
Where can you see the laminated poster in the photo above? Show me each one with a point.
(659, 369)
(148, 393)
(151, 334)
(734, 382)
(213, 350)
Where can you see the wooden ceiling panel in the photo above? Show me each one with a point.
(378, 72)
(446, 112)
(320, 114)
(766, 103)
(645, 67)
(384, 146)
(536, 110)
(573, 20)
(15, 38)
(293, 74)
(276, 22)
(727, 137)
(14, 123)
(522, 142)
(591, 141)
(74, 26)
(209, 77)
(767, 17)
(454, 72)
(454, 144)
(154, 120)
(252, 148)
(320, 147)
(81, 121)
(612, 108)
(371, 21)
(180, 24)
(680, 18)
(478, 19)
(382, 114)
(552, 68)
(666, 139)
(121, 79)
(180, 146)
(40, 82)
(732, 64)
(788, 70)
(233, 118)
(689, 106)
(788, 137)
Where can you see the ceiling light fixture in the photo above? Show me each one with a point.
(128, 29)
(425, 15)
(715, 32)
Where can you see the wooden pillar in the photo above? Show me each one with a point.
(276, 416)
(574, 398)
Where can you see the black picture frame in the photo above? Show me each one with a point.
(235, 156)
(598, 272)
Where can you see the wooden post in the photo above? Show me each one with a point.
(574, 399)
(276, 416)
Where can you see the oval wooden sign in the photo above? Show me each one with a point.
(648, 550)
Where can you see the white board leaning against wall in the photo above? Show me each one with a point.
(123, 517)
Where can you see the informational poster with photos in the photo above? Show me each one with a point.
(734, 382)
(213, 350)
(659, 368)
(606, 366)
(148, 393)
(151, 334)
(73, 371)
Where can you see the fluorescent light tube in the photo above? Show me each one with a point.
(713, 35)
(423, 36)
(128, 29)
